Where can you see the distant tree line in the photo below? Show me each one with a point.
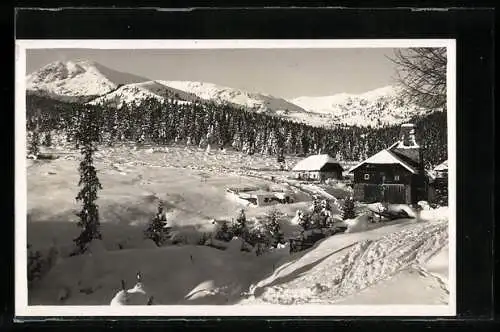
(226, 126)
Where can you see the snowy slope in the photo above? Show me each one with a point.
(375, 108)
(257, 101)
(77, 79)
(346, 266)
(172, 275)
(138, 92)
(393, 264)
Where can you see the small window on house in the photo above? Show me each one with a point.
(367, 176)
(396, 177)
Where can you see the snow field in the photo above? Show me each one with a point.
(172, 275)
(335, 269)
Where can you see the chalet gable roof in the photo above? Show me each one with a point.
(314, 162)
(385, 157)
(442, 167)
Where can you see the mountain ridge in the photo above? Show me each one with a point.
(89, 81)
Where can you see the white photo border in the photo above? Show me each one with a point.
(20, 254)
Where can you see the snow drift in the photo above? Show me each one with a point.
(345, 264)
(170, 275)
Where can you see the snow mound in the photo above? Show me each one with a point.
(359, 224)
(169, 274)
(438, 214)
(201, 290)
(424, 205)
(134, 296)
(412, 213)
(146, 244)
(235, 245)
(96, 247)
(186, 236)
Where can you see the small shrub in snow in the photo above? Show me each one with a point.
(34, 144)
(47, 140)
(239, 228)
(203, 238)
(38, 265)
(224, 233)
(305, 221)
(348, 211)
(35, 265)
(156, 229)
(273, 227)
(258, 236)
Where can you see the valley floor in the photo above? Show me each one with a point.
(400, 262)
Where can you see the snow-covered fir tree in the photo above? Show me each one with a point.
(246, 131)
(348, 211)
(156, 229)
(87, 138)
(47, 139)
(239, 227)
(272, 225)
(34, 144)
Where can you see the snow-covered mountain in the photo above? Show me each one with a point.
(84, 80)
(77, 79)
(257, 101)
(374, 108)
(138, 92)
(88, 81)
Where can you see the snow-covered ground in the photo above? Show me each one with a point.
(191, 183)
(365, 265)
(373, 265)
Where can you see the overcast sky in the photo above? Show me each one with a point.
(286, 73)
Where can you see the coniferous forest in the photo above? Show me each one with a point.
(166, 122)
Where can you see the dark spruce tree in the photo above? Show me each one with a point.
(239, 228)
(224, 233)
(244, 130)
(348, 209)
(272, 225)
(47, 140)
(156, 229)
(87, 137)
(33, 124)
(34, 144)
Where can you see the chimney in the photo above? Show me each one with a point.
(408, 146)
(408, 135)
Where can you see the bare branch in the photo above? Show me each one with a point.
(421, 72)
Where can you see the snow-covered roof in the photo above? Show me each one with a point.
(314, 162)
(385, 157)
(430, 174)
(442, 167)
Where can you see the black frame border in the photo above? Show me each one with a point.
(473, 30)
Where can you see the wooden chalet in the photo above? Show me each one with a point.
(318, 168)
(438, 187)
(393, 175)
